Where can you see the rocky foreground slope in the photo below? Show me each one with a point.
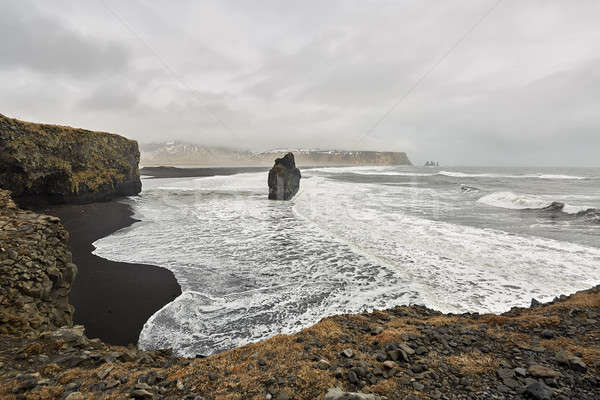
(549, 351)
(59, 164)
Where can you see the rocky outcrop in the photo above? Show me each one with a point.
(59, 164)
(284, 178)
(36, 271)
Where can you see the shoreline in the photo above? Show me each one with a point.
(113, 300)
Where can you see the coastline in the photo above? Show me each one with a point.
(112, 299)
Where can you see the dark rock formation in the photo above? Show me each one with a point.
(36, 271)
(57, 164)
(284, 178)
(554, 206)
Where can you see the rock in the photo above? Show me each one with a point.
(389, 364)
(75, 396)
(262, 362)
(535, 303)
(59, 164)
(547, 334)
(283, 395)
(352, 377)
(284, 178)
(522, 372)
(338, 394)
(141, 394)
(104, 373)
(348, 353)
(577, 364)
(540, 371)
(505, 373)
(562, 358)
(539, 391)
(408, 350)
(554, 206)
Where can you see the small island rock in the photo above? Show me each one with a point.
(284, 178)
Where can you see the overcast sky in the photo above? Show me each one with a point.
(523, 88)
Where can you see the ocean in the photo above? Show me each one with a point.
(356, 239)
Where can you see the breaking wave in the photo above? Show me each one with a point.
(517, 201)
(528, 176)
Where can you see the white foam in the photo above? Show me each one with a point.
(251, 268)
(493, 175)
(519, 201)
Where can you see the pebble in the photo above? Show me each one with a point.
(348, 353)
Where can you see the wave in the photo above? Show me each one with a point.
(515, 201)
(527, 176)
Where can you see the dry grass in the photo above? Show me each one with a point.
(473, 363)
(590, 354)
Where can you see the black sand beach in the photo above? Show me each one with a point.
(112, 300)
(175, 172)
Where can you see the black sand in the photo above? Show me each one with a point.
(174, 172)
(112, 300)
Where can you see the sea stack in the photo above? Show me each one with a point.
(284, 178)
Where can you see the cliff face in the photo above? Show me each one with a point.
(57, 164)
(36, 271)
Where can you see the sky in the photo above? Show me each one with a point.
(461, 82)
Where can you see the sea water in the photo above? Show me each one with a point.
(356, 239)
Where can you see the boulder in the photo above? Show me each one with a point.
(42, 163)
(284, 178)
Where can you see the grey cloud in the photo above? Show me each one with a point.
(38, 42)
(523, 88)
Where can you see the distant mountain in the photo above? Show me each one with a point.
(180, 153)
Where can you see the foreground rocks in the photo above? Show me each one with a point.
(284, 178)
(59, 164)
(550, 351)
(36, 271)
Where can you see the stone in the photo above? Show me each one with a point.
(141, 394)
(540, 371)
(577, 364)
(284, 178)
(338, 394)
(547, 334)
(283, 395)
(522, 372)
(562, 358)
(75, 396)
(389, 364)
(348, 353)
(539, 391)
(352, 377)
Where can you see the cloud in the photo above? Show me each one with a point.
(520, 89)
(37, 42)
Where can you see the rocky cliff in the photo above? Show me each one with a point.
(59, 164)
(284, 178)
(36, 271)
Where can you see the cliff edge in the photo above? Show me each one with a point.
(54, 164)
(36, 271)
